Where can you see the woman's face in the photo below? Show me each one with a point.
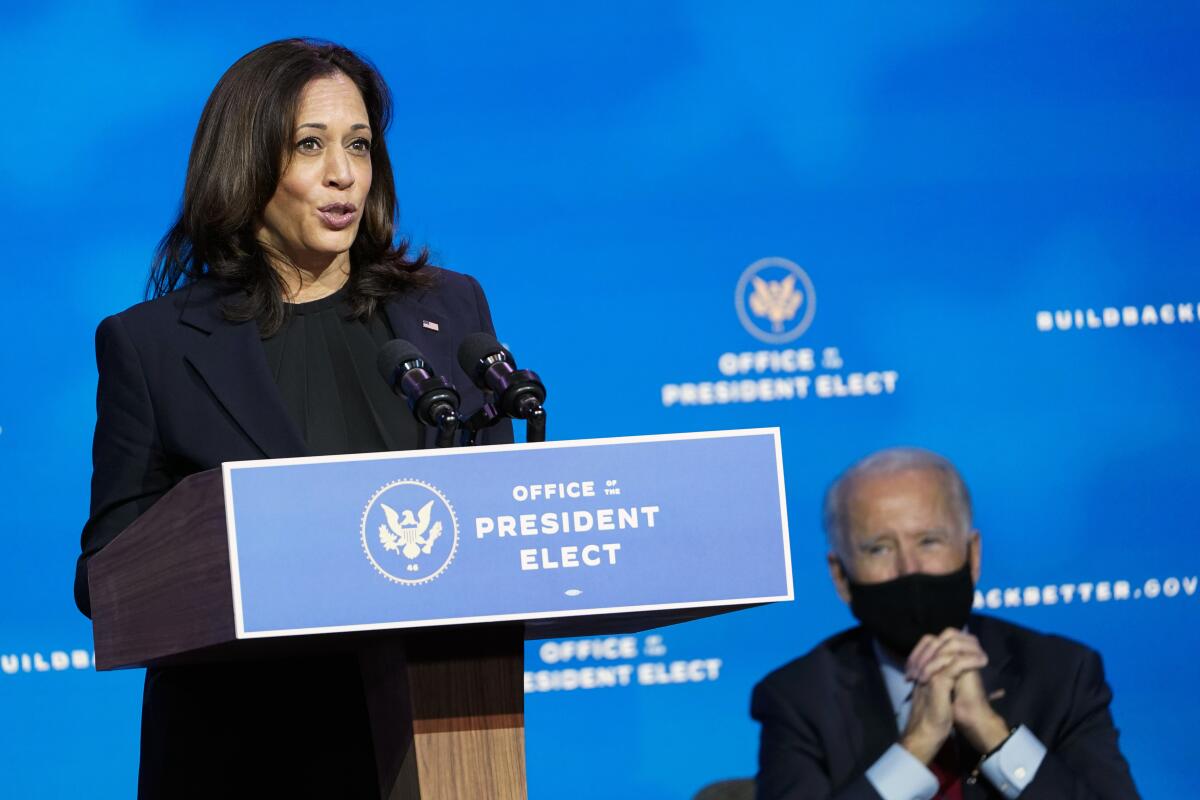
(315, 212)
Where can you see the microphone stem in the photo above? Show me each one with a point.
(535, 425)
(447, 424)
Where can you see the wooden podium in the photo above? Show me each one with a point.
(445, 693)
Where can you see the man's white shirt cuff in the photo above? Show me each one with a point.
(899, 775)
(1012, 767)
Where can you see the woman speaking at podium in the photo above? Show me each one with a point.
(272, 294)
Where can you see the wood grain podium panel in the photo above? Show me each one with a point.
(449, 764)
(448, 713)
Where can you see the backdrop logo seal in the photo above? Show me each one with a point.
(775, 300)
(409, 532)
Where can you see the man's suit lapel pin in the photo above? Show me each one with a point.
(429, 325)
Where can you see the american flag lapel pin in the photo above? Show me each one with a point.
(429, 325)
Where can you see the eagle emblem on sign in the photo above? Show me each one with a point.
(778, 301)
(775, 300)
(405, 534)
(409, 531)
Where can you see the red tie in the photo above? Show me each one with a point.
(948, 771)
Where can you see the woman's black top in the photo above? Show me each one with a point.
(323, 362)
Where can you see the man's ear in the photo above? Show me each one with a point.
(841, 581)
(975, 555)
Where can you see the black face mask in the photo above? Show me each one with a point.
(900, 611)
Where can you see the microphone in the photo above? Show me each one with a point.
(519, 392)
(433, 400)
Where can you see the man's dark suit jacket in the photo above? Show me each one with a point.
(826, 717)
(181, 389)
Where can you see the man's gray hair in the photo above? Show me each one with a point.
(889, 462)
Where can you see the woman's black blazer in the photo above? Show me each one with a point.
(181, 389)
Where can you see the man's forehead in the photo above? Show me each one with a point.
(910, 495)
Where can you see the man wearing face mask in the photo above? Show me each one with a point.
(924, 699)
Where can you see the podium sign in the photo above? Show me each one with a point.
(507, 532)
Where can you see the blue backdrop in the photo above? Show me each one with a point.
(985, 200)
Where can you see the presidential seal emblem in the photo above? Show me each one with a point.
(409, 532)
(775, 300)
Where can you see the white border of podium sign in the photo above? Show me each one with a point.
(455, 452)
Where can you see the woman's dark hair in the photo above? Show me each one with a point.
(238, 155)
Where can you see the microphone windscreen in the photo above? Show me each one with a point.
(393, 354)
(475, 348)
